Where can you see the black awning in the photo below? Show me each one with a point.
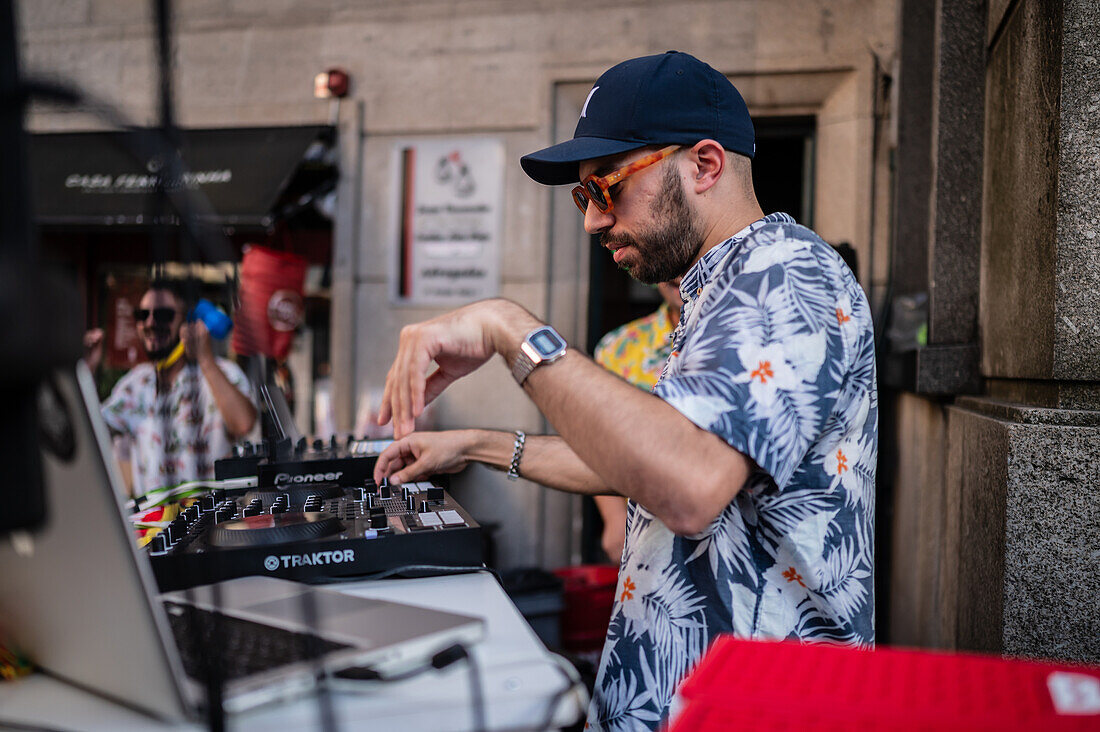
(89, 178)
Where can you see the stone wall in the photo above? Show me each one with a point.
(1004, 484)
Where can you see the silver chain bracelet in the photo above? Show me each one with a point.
(517, 455)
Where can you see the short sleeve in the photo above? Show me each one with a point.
(762, 360)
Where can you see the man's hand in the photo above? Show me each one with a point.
(458, 343)
(422, 454)
(93, 348)
(196, 342)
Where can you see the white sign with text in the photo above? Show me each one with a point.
(449, 211)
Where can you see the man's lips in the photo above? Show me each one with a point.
(616, 248)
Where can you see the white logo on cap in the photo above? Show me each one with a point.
(584, 109)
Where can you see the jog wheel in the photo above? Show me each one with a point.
(281, 528)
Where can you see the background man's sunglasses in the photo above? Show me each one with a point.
(594, 188)
(161, 316)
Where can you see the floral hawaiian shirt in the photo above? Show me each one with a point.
(174, 439)
(638, 350)
(775, 353)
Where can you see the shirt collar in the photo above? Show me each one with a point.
(700, 273)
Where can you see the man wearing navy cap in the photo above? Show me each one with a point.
(750, 467)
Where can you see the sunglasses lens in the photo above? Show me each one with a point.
(596, 194)
(163, 316)
(580, 199)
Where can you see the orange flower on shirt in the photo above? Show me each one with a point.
(763, 372)
(791, 575)
(628, 587)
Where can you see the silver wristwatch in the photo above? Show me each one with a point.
(542, 345)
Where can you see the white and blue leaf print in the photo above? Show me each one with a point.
(775, 354)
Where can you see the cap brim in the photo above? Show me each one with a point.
(558, 164)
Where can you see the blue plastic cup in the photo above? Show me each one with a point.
(217, 322)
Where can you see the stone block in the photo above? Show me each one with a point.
(1019, 243)
(1077, 332)
(1028, 482)
(918, 538)
(1041, 249)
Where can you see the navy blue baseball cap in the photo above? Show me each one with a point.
(670, 98)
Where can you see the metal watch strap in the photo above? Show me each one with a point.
(517, 455)
(522, 367)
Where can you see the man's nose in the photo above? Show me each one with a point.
(596, 220)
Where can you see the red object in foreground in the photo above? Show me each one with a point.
(589, 592)
(760, 685)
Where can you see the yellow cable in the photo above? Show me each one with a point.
(174, 356)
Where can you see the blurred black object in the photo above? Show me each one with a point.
(40, 318)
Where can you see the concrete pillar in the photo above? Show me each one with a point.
(1023, 460)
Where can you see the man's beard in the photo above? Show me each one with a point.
(159, 354)
(666, 250)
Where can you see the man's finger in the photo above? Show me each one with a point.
(390, 459)
(385, 412)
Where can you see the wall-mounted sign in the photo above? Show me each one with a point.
(449, 210)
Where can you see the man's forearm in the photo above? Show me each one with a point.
(236, 409)
(547, 460)
(639, 445)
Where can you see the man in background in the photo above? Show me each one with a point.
(637, 352)
(183, 409)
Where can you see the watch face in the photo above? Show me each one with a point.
(546, 342)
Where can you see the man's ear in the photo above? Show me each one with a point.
(708, 164)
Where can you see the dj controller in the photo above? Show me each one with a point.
(314, 513)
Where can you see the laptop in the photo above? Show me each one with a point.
(79, 598)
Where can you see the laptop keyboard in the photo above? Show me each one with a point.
(238, 647)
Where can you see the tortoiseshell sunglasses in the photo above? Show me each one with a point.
(595, 188)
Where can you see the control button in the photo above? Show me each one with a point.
(435, 494)
(158, 544)
(378, 521)
(451, 518)
(410, 504)
(430, 518)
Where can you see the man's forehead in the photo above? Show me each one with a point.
(159, 297)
